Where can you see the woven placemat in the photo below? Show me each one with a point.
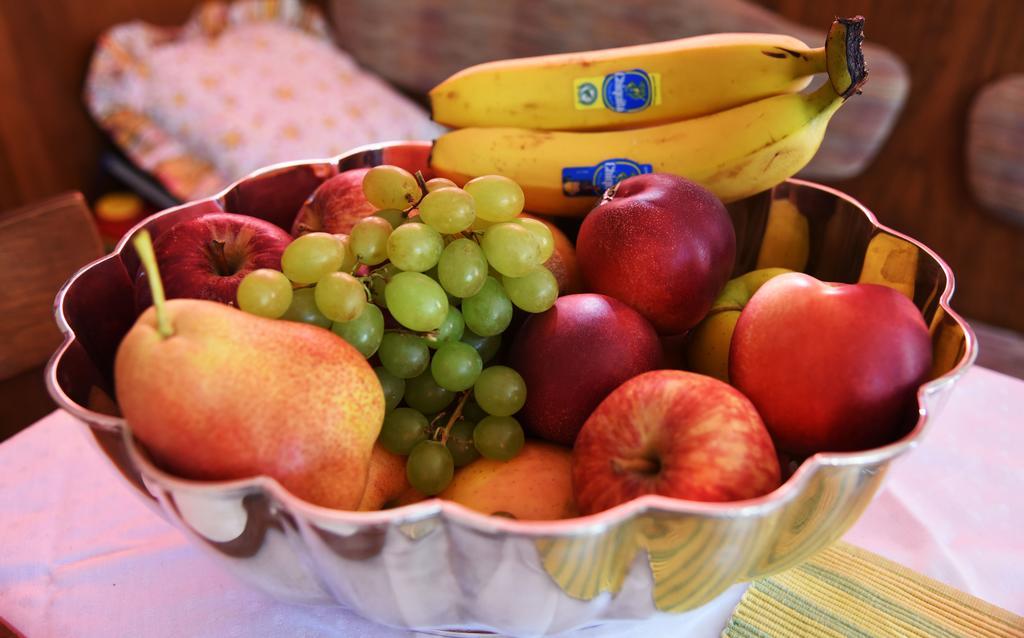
(847, 591)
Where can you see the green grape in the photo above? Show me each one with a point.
(340, 296)
(499, 437)
(404, 356)
(500, 391)
(310, 257)
(462, 269)
(416, 301)
(403, 429)
(440, 182)
(430, 467)
(481, 224)
(393, 387)
(449, 210)
(456, 366)
(498, 199)
(391, 187)
(415, 247)
(364, 332)
(460, 443)
(489, 311)
(511, 249)
(393, 216)
(451, 330)
(413, 218)
(472, 411)
(535, 292)
(303, 309)
(542, 234)
(452, 299)
(379, 279)
(425, 395)
(486, 346)
(265, 292)
(348, 262)
(368, 240)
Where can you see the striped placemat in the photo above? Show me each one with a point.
(847, 591)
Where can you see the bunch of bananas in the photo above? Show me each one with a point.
(722, 110)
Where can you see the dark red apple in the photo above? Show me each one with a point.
(207, 257)
(661, 244)
(830, 367)
(677, 434)
(572, 355)
(335, 206)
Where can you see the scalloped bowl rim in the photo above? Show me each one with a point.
(492, 524)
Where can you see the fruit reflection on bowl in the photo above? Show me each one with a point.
(437, 564)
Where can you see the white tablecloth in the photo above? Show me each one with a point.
(80, 555)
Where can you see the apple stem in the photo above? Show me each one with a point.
(636, 465)
(143, 244)
(454, 417)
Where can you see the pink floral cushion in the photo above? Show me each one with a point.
(237, 88)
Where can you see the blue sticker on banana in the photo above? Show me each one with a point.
(622, 91)
(580, 181)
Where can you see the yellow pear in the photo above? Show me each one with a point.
(215, 393)
(535, 485)
(707, 347)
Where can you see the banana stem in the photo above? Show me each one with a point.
(143, 244)
(847, 71)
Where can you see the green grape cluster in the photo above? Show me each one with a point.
(447, 265)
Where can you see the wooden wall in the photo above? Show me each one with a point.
(48, 144)
(918, 182)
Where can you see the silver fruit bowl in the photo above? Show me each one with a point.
(436, 565)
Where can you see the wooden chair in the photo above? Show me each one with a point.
(41, 245)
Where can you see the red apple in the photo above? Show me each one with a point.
(661, 244)
(677, 434)
(207, 257)
(830, 366)
(572, 355)
(335, 206)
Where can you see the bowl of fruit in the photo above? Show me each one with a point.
(374, 382)
(241, 389)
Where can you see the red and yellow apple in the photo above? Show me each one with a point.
(208, 256)
(676, 434)
(562, 262)
(335, 206)
(661, 244)
(385, 480)
(572, 355)
(830, 366)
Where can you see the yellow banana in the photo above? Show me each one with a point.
(787, 238)
(627, 87)
(734, 153)
(890, 261)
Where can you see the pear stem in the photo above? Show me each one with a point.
(144, 247)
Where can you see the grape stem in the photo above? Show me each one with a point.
(432, 335)
(454, 417)
(422, 183)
